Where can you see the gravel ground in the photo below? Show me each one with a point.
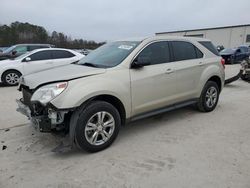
(182, 148)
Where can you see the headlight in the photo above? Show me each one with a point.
(48, 92)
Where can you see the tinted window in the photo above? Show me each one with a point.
(43, 55)
(244, 49)
(210, 47)
(155, 53)
(185, 50)
(59, 54)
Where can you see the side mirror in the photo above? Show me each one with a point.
(140, 62)
(14, 52)
(27, 59)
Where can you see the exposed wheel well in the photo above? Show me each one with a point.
(9, 71)
(115, 102)
(217, 80)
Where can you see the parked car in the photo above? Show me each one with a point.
(235, 55)
(119, 82)
(12, 69)
(19, 49)
(2, 49)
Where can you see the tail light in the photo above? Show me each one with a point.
(223, 62)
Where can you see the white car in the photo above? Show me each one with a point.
(42, 59)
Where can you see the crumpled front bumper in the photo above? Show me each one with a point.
(42, 122)
(25, 110)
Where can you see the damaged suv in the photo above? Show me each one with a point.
(119, 82)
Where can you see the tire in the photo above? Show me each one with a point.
(210, 93)
(11, 78)
(91, 134)
(244, 77)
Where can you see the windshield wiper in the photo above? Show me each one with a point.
(89, 64)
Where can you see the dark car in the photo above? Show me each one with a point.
(235, 55)
(19, 49)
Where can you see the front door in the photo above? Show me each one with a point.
(153, 86)
(38, 61)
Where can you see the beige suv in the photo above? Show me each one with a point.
(119, 82)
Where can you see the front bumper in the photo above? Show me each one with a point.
(45, 119)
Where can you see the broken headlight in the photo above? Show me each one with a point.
(48, 92)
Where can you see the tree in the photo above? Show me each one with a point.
(18, 32)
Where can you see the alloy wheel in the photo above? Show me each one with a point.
(12, 78)
(211, 97)
(100, 127)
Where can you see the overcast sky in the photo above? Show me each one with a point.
(105, 20)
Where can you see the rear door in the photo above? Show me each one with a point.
(153, 86)
(63, 57)
(189, 64)
(41, 60)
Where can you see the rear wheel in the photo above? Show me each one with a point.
(209, 97)
(11, 78)
(97, 126)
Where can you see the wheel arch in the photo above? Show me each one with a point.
(7, 70)
(114, 101)
(217, 80)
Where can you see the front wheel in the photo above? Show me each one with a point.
(209, 97)
(11, 78)
(97, 126)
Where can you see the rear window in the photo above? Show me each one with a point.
(61, 54)
(185, 51)
(210, 47)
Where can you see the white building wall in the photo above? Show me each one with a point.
(228, 37)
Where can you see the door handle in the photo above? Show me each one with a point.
(201, 63)
(169, 71)
(50, 62)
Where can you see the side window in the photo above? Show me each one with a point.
(185, 51)
(155, 53)
(60, 54)
(43, 55)
(199, 54)
(21, 49)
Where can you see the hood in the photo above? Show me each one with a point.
(63, 73)
(227, 52)
(6, 62)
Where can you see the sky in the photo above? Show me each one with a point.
(107, 20)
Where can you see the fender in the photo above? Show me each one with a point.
(81, 90)
(209, 72)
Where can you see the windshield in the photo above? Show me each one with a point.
(109, 55)
(8, 50)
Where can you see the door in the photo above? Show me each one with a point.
(153, 86)
(189, 64)
(37, 61)
(63, 57)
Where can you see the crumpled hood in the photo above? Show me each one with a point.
(63, 73)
